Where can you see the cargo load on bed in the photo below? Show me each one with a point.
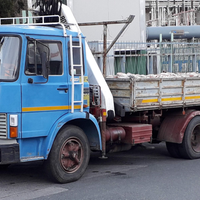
(150, 92)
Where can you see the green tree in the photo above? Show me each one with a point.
(11, 8)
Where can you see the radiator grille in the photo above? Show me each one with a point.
(3, 126)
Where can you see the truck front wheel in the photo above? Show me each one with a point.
(69, 155)
(190, 147)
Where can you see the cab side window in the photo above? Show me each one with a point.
(33, 58)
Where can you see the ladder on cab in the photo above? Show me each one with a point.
(76, 45)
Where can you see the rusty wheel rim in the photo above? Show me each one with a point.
(195, 139)
(71, 155)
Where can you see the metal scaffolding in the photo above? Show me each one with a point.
(172, 12)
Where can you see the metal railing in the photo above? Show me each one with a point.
(30, 20)
(153, 58)
(36, 20)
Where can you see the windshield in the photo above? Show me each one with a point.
(9, 57)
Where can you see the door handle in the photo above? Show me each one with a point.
(65, 89)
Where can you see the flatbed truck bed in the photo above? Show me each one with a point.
(139, 94)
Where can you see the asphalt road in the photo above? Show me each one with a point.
(143, 173)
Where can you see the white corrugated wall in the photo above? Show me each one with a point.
(104, 10)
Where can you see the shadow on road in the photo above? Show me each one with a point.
(26, 172)
(132, 156)
(34, 171)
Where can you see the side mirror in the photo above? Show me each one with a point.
(39, 53)
(45, 66)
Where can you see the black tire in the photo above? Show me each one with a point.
(190, 147)
(173, 149)
(69, 156)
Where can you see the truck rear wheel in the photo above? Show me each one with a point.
(190, 147)
(69, 155)
(173, 149)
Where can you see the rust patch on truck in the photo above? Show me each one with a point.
(174, 125)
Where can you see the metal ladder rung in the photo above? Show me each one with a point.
(77, 65)
(78, 83)
(77, 101)
(76, 46)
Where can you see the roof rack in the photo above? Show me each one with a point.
(33, 20)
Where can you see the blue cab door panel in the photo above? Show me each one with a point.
(10, 101)
(43, 103)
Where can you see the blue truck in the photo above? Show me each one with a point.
(38, 113)
(52, 109)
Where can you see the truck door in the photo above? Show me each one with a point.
(43, 102)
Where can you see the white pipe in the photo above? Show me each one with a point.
(180, 32)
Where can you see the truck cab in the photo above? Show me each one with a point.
(44, 93)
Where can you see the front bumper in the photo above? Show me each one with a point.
(9, 153)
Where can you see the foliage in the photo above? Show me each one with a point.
(10, 8)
